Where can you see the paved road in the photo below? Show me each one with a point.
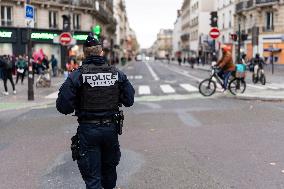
(171, 139)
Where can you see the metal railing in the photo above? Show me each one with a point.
(241, 6)
(259, 2)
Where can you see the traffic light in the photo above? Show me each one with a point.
(244, 37)
(214, 19)
(66, 23)
(234, 37)
(97, 30)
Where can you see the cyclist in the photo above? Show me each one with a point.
(226, 66)
(258, 64)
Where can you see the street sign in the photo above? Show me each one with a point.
(214, 33)
(65, 38)
(29, 15)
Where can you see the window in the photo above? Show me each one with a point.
(269, 21)
(53, 19)
(6, 16)
(76, 21)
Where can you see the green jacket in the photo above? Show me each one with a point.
(21, 64)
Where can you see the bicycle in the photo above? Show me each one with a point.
(237, 84)
(258, 75)
(44, 80)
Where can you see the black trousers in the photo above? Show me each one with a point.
(22, 76)
(7, 75)
(100, 154)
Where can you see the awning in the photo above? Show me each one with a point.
(272, 50)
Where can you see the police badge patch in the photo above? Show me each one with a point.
(100, 79)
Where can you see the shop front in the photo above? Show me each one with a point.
(13, 41)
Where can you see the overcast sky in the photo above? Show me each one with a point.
(147, 17)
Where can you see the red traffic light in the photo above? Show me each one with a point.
(234, 37)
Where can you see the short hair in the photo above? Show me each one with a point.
(93, 51)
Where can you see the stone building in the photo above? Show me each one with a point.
(262, 20)
(200, 26)
(226, 12)
(177, 32)
(162, 47)
(48, 23)
(185, 28)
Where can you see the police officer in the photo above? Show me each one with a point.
(95, 91)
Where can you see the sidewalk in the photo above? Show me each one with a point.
(20, 100)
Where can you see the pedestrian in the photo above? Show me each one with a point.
(21, 69)
(100, 90)
(6, 66)
(54, 65)
(179, 61)
(45, 63)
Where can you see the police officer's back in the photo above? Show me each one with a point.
(95, 92)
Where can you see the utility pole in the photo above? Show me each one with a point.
(30, 64)
(239, 41)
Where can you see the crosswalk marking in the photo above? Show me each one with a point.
(167, 89)
(189, 87)
(136, 77)
(144, 90)
(52, 96)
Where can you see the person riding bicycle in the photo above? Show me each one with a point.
(258, 63)
(226, 66)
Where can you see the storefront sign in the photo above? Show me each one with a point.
(5, 34)
(43, 36)
(80, 37)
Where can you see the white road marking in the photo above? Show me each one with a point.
(185, 73)
(52, 96)
(144, 90)
(273, 164)
(167, 89)
(257, 87)
(154, 75)
(138, 77)
(130, 77)
(189, 87)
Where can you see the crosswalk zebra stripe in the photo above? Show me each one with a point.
(138, 77)
(189, 87)
(144, 90)
(167, 89)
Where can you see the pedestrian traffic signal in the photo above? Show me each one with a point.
(97, 30)
(214, 19)
(244, 37)
(234, 37)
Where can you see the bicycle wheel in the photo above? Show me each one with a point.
(263, 79)
(207, 87)
(254, 78)
(237, 86)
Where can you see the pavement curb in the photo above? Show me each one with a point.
(261, 98)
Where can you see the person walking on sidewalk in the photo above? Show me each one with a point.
(21, 69)
(95, 92)
(54, 65)
(7, 66)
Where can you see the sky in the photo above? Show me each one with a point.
(147, 17)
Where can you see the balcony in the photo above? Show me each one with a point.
(241, 6)
(265, 2)
(268, 29)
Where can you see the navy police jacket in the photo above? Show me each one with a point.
(66, 102)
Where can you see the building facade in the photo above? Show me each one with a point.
(262, 20)
(200, 26)
(48, 24)
(177, 48)
(185, 28)
(226, 12)
(162, 47)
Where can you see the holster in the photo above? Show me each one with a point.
(75, 148)
(119, 118)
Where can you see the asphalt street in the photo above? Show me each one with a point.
(173, 138)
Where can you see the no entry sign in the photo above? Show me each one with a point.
(65, 38)
(214, 33)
